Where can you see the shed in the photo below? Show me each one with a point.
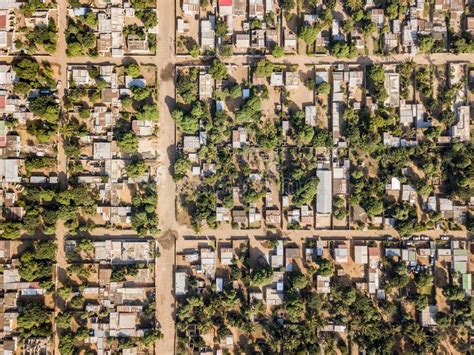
(180, 283)
(467, 282)
(361, 254)
(324, 192)
(276, 79)
(292, 80)
(191, 143)
(310, 115)
(428, 316)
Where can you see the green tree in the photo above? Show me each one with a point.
(421, 302)
(304, 136)
(443, 320)
(374, 207)
(74, 49)
(297, 280)
(136, 169)
(310, 83)
(127, 103)
(140, 93)
(128, 143)
(326, 16)
(426, 43)
(306, 192)
(236, 91)
(63, 320)
(325, 267)
(343, 50)
(65, 292)
(454, 293)
(66, 344)
(369, 27)
(462, 45)
(221, 28)
(21, 88)
(264, 68)
(132, 70)
(323, 88)
(101, 84)
(46, 107)
(10, 230)
(225, 51)
(261, 276)
(218, 70)
(268, 136)
(187, 85)
(27, 69)
(34, 321)
(392, 11)
(151, 336)
(376, 75)
(180, 167)
(287, 5)
(195, 51)
(278, 52)
(348, 26)
(86, 245)
(148, 112)
(189, 124)
(90, 19)
(37, 262)
(310, 33)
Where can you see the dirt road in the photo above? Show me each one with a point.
(165, 263)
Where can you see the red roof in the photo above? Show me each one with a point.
(374, 251)
(2, 101)
(3, 21)
(225, 2)
(135, 127)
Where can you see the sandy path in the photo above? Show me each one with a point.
(165, 264)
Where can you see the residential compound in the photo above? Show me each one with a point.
(28, 29)
(293, 153)
(117, 290)
(236, 176)
(266, 284)
(258, 26)
(340, 151)
(20, 142)
(23, 294)
(108, 122)
(111, 29)
(114, 153)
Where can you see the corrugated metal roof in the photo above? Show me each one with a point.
(324, 192)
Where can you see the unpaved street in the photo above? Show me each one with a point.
(165, 263)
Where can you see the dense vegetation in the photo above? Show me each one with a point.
(43, 104)
(144, 218)
(80, 36)
(34, 321)
(45, 206)
(297, 325)
(448, 164)
(44, 36)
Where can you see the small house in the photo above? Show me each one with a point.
(361, 255)
(292, 80)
